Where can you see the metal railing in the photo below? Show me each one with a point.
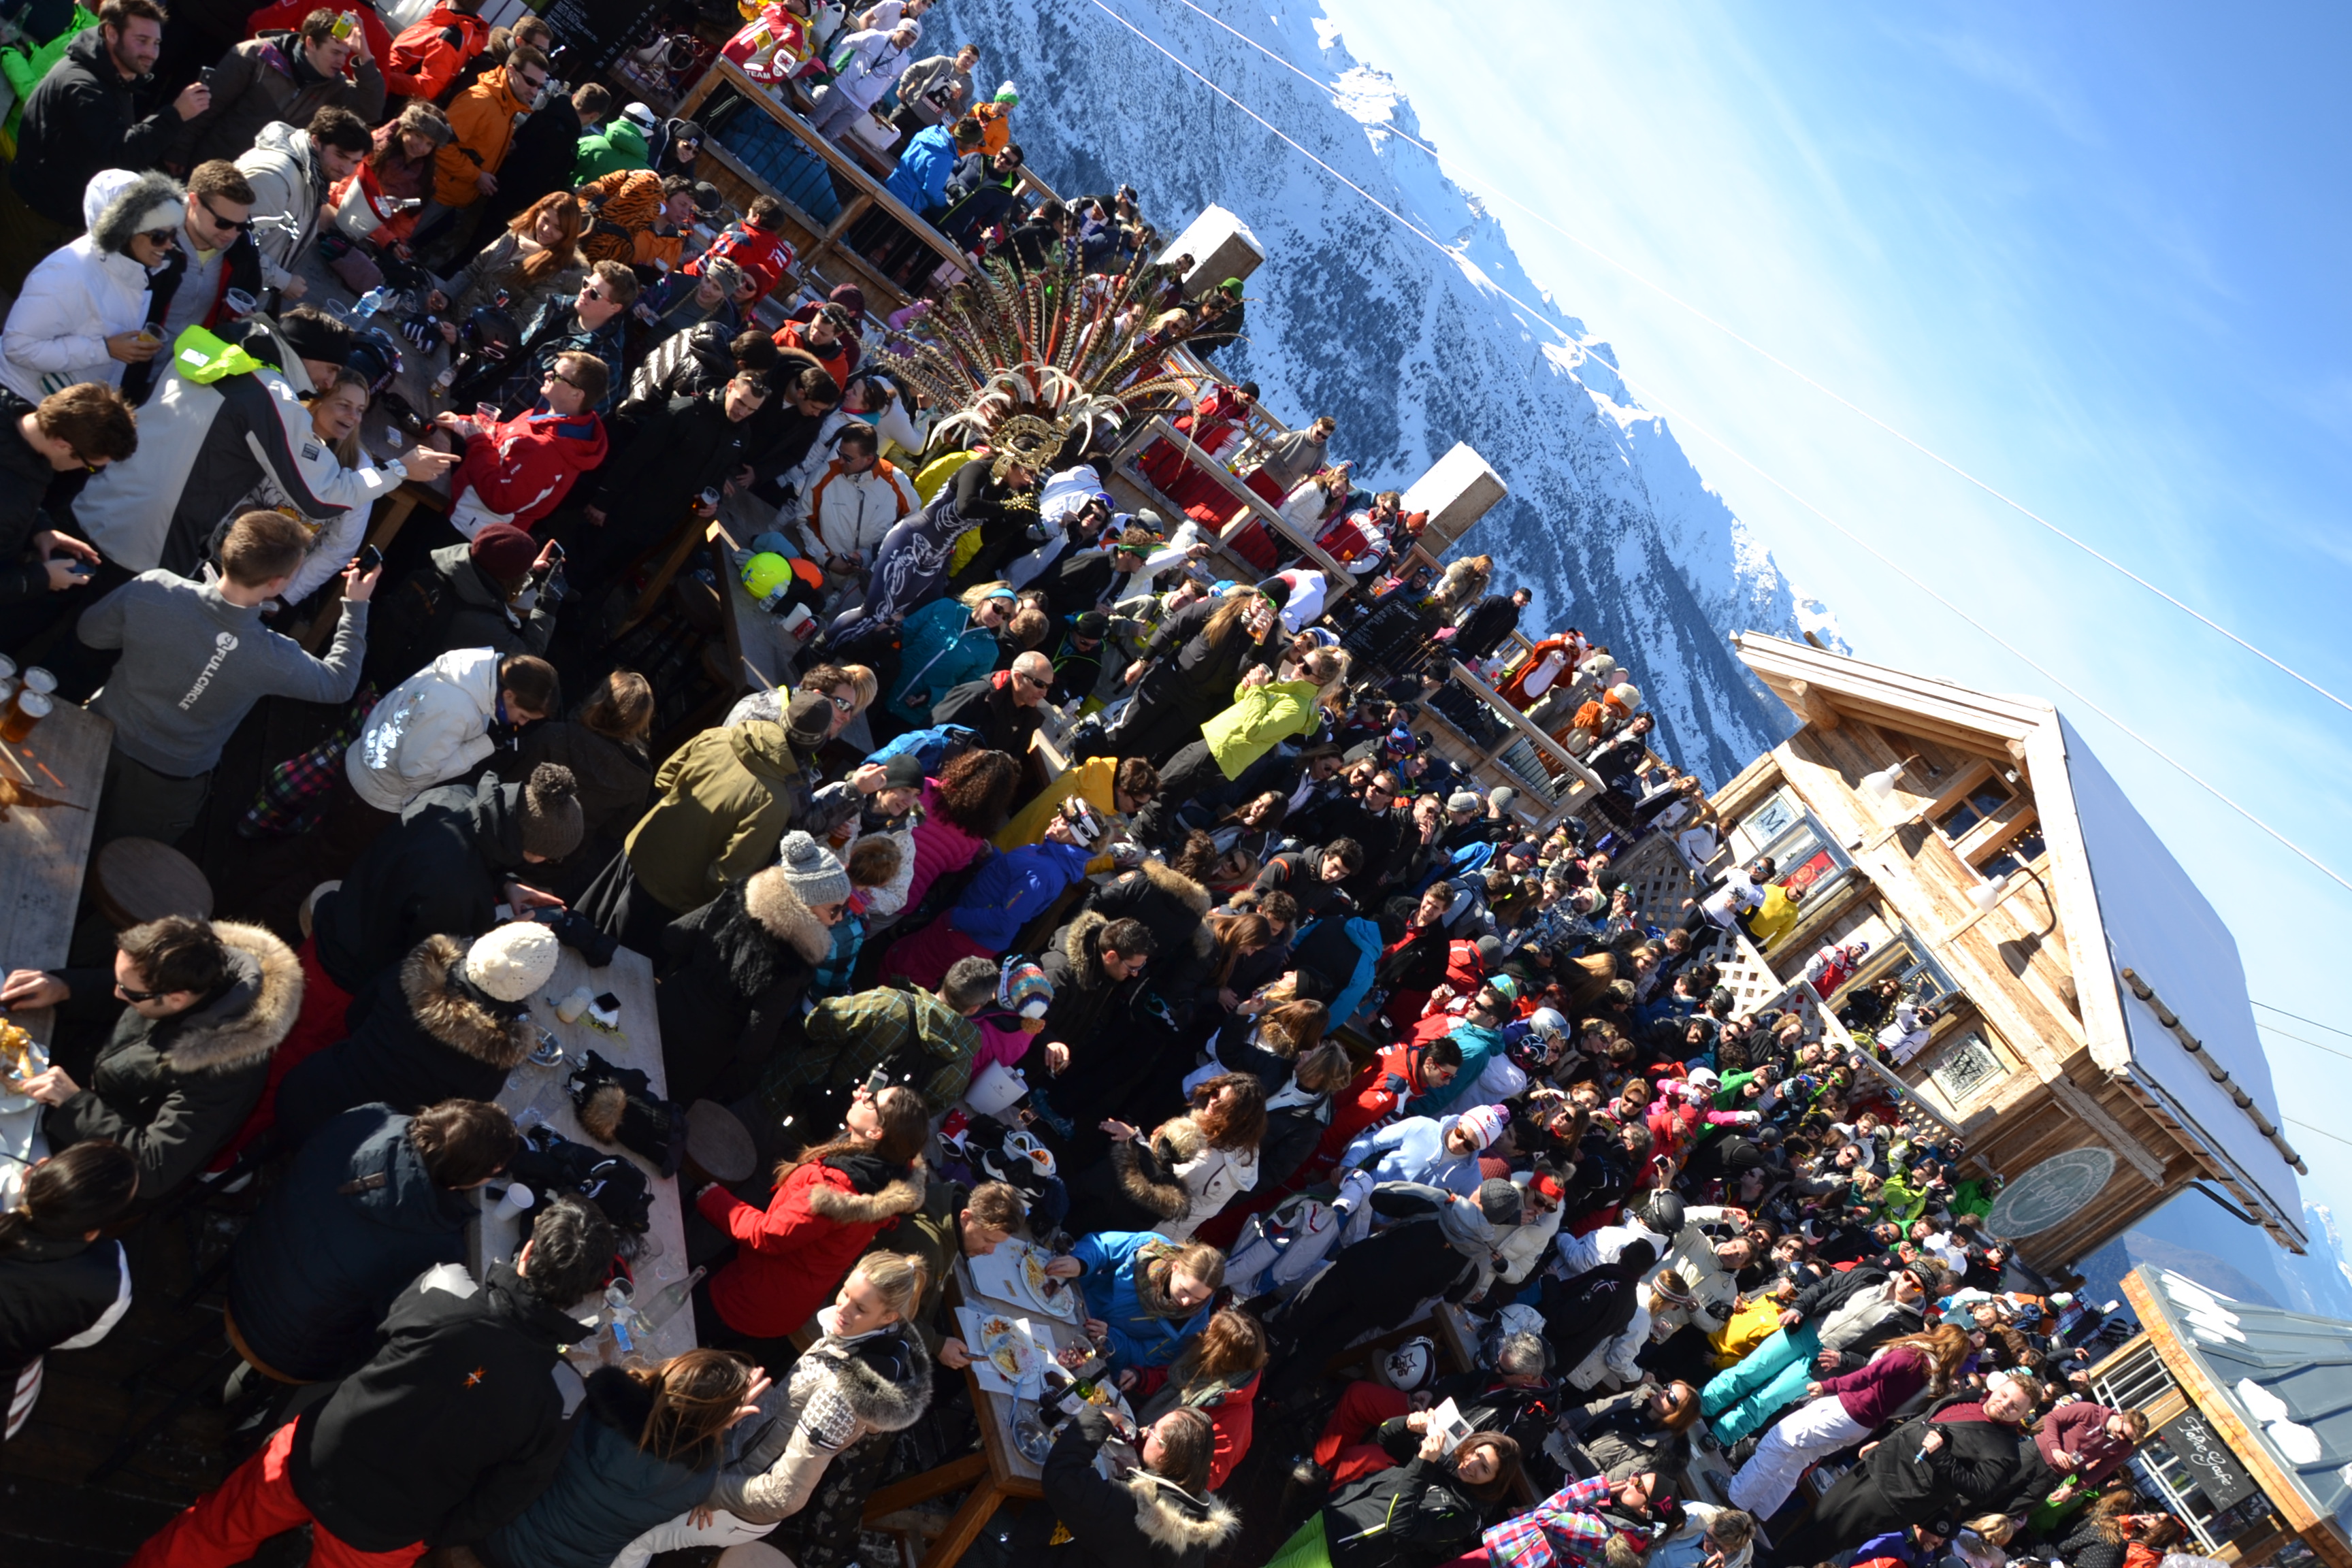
(1127, 465)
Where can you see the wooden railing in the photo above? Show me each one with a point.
(826, 239)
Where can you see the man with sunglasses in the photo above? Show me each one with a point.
(591, 322)
(80, 428)
(1004, 708)
(203, 1007)
(216, 251)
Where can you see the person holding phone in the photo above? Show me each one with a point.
(200, 662)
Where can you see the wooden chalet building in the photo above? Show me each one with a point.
(2095, 1048)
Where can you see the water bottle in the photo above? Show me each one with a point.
(668, 1300)
(383, 297)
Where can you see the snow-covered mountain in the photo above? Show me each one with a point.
(1410, 347)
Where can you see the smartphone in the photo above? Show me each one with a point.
(370, 558)
(205, 75)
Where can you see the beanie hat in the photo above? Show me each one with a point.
(1277, 592)
(512, 961)
(903, 771)
(1499, 1201)
(640, 116)
(1484, 1122)
(1502, 985)
(808, 720)
(813, 872)
(1501, 796)
(552, 822)
(1023, 988)
(504, 552)
(1462, 800)
(1008, 94)
(707, 199)
(1092, 623)
(1628, 693)
(850, 298)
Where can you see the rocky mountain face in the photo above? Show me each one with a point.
(1410, 345)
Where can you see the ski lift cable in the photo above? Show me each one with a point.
(1453, 171)
(1652, 400)
(2331, 1029)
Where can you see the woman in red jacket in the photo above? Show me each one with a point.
(790, 1257)
(1217, 1375)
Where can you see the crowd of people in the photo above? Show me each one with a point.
(1096, 879)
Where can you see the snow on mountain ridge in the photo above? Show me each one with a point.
(1356, 317)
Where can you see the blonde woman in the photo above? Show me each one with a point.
(868, 1373)
(1268, 707)
(334, 486)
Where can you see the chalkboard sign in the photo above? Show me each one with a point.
(2218, 1475)
(596, 31)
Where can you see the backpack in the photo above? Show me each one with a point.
(935, 748)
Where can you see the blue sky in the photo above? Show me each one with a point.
(2096, 256)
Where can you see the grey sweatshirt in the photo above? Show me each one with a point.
(197, 665)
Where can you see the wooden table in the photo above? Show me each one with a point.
(44, 849)
(538, 1094)
(998, 1470)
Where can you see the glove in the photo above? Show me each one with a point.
(580, 934)
(417, 330)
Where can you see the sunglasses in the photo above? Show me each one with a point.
(234, 226)
(1020, 679)
(589, 290)
(845, 704)
(127, 995)
(167, 237)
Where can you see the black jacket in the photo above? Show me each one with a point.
(1142, 1520)
(441, 872)
(24, 477)
(174, 1091)
(448, 602)
(424, 1036)
(352, 1221)
(452, 1429)
(732, 978)
(1484, 627)
(1412, 1516)
(680, 449)
(83, 117)
(539, 160)
(52, 1288)
(615, 783)
(986, 705)
(1175, 908)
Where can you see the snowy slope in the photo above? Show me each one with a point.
(1408, 347)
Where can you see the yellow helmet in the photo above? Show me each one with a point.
(765, 573)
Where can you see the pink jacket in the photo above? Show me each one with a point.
(940, 847)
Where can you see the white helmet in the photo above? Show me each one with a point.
(1548, 1023)
(1409, 1366)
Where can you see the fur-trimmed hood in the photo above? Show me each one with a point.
(769, 899)
(244, 1024)
(1146, 1172)
(119, 203)
(1079, 946)
(903, 1194)
(1165, 879)
(445, 1010)
(1171, 1517)
(885, 1378)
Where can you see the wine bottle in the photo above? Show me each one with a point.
(668, 1300)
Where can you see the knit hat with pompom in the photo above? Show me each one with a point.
(813, 872)
(552, 824)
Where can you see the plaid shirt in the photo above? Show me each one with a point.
(1561, 1532)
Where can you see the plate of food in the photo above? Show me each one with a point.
(1042, 1288)
(1011, 1350)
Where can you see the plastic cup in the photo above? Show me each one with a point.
(8, 667)
(486, 415)
(40, 680)
(239, 303)
(28, 709)
(513, 1201)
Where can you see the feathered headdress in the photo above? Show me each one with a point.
(1027, 357)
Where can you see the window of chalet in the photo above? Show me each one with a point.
(2019, 852)
(1982, 801)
